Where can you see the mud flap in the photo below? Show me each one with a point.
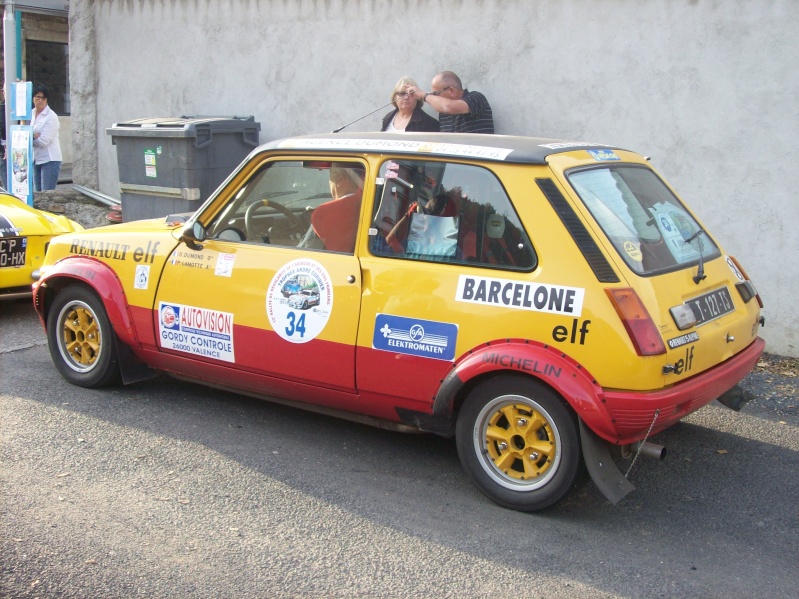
(606, 476)
(130, 367)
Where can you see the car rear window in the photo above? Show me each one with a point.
(646, 223)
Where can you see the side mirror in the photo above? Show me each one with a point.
(193, 235)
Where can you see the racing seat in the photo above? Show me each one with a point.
(336, 223)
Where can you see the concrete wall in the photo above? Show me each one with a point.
(708, 89)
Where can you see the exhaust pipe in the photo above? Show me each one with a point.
(736, 398)
(649, 450)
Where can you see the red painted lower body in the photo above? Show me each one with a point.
(632, 413)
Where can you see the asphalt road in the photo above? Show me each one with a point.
(167, 489)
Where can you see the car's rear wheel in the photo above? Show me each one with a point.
(81, 340)
(519, 442)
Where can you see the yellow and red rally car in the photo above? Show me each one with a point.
(24, 236)
(549, 304)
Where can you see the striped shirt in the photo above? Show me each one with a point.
(479, 120)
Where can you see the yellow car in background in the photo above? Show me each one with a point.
(550, 304)
(24, 236)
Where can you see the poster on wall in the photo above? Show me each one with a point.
(21, 101)
(20, 159)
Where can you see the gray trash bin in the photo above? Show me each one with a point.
(172, 165)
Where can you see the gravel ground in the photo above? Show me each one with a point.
(775, 382)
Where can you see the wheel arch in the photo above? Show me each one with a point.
(525, 358)
(100, 279)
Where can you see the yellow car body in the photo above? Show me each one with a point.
(550, 304)
(25, 234)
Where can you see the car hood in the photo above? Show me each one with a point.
(17, 218)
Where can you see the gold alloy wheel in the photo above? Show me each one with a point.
(519, 442)
(80, 340)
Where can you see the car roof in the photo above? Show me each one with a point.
(501, 148)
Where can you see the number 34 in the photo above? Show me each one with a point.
(296, 325)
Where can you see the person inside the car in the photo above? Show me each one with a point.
(438, 205)
(335, 223)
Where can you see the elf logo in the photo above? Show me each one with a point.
(685, 364)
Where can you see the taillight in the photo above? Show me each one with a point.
(640, 326)
(750, 288)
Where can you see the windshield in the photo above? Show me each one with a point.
(645, 222)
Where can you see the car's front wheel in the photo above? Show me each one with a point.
(519, 442)
(81, 340)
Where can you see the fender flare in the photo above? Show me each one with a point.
(532, 358)
(102, 280)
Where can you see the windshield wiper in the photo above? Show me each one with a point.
(700, 273)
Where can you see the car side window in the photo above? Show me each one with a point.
(303, 204)
(447, 212)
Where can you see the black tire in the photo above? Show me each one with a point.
(81, 341)
(519, 442)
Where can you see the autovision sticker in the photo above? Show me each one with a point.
(299, 300)
(520, 295)
(415, 337)
(197, 331)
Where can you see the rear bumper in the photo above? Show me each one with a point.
(632, 413)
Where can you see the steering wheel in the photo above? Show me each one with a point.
(295, 226)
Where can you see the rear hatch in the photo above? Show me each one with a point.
(699, 299)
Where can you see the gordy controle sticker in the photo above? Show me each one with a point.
(299, 300)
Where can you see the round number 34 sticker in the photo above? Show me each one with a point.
(299, 300)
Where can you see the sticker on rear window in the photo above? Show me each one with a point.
(415, 337)
(633, 251)
(603, 155)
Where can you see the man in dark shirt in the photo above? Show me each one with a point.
(460, 111)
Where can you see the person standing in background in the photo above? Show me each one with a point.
(407, 114)
(460, 111)
(46, 148)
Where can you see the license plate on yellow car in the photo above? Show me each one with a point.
(711, 305)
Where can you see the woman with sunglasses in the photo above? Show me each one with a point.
(408, 114)
(46, 149)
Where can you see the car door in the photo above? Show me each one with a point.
(274, 288)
